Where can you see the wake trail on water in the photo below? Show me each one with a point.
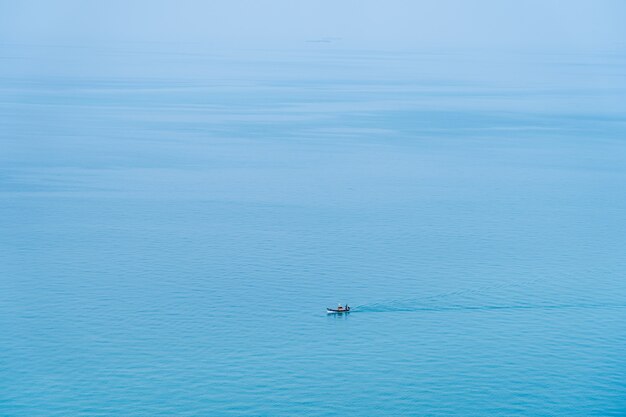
(505, 296)
(487, 307)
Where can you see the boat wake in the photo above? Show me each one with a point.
(378, 308)
(512, 296)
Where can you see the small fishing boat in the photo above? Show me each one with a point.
(337, 311)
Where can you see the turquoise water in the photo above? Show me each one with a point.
(174, 224)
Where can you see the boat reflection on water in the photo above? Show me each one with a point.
(339, 316)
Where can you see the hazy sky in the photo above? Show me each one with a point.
(427, 23)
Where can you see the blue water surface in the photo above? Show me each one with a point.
(175, 220)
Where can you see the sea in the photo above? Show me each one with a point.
(176, 218)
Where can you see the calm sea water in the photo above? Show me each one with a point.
(174, 222)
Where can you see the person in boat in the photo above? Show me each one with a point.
(347, 307)
(339, 307)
